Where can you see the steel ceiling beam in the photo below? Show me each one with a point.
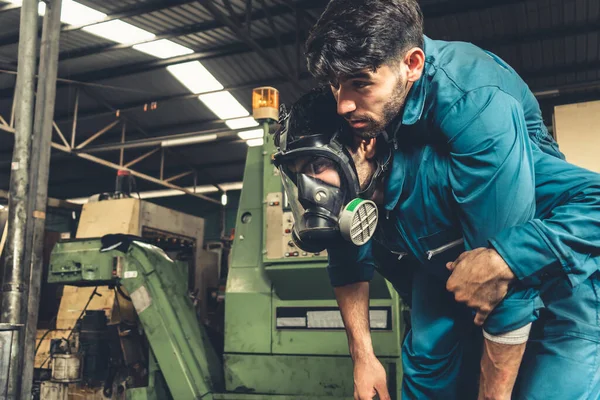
(139, 105)
(9, 7)
(136, 68)
(288, 6)
(86, 78)
(103, 173)
(133, 11)
(189, 30)
(542, 34)
(234, 26)
(127, 12)
(565, 69)
(453, 7)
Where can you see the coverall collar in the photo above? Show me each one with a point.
(394, 183)
(402, 174)
(411, 114)
(415, 101)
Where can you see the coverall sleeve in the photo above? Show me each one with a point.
(492, 180)
(565, 238)
(350, 264)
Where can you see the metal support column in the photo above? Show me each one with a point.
(39, 174)
(14, 286)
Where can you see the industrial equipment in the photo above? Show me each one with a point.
(283, 336)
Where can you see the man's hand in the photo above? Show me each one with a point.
(369, 379)
(480, 278)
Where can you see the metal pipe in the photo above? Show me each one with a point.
(14, 103)
(140, 158)
(122, 155)
(98, 134)
(14, 287)
(158, 141)
(138, 174)
(75, 112)
(7, 129)
(39, 174)
(178, 176)
(162, 163)
(62, 137)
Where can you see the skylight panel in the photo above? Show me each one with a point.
(163, 48)
(255, 142)
(224, 105)
(119, 31)
(253, 134)
(195, 77)
(241, 123)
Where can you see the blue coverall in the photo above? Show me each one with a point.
(491, 159)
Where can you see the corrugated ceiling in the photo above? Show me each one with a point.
(551, 42)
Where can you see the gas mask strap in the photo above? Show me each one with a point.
(380, 169)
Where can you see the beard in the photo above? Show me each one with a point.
(390, 110)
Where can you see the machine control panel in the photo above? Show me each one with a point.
(289, 248)
(280, 222)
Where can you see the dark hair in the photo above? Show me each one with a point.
(314, 113)
(352, 35)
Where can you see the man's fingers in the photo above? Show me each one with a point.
(480, 317)
(382, 391)
(462, 256)
(452, 264)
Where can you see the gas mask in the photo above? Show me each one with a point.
(325, 210)
(321, 183)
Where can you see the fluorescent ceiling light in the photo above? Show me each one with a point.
(163, 48)
(195, 77)
(253, 134)
(41, 5)
(119, 31)
(224, 105)
(73, 13)
(189, 140)
(241, 123)
(255, 142)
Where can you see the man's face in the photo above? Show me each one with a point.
(369, 100)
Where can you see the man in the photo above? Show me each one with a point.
(387, 77)
(324, 168)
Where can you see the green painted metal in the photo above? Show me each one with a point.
(156, 389)
(326, 342)
(81, 263)
(248, 312)
(296, 375)
(297, 363)
(302, 280)
(158, 289)
(245, 396)
(261, 360)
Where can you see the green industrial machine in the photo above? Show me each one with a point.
(283, 331)
(284, 336)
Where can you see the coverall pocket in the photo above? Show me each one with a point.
(440, 248)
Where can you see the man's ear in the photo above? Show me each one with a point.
(415, 60)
